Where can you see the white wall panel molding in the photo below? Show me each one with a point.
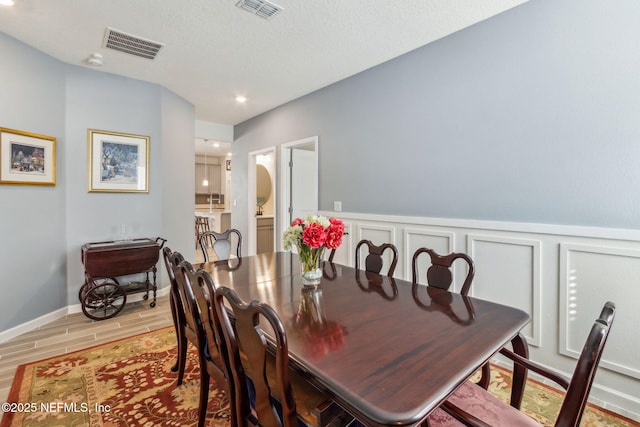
(590, 275)
(520, 227)
(508, 271)
(377, 233)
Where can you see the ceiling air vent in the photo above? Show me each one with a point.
(133, 45)
(262, 8)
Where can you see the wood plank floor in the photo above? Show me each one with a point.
(76, 331)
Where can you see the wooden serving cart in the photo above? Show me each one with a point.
(102, 296)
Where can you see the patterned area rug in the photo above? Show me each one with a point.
(129, 383)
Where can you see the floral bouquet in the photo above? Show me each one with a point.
(311, 236)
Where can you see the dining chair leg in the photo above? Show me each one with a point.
(204, 395)
(519, 380)
(174, 316)
(485, 377)
(182, 356)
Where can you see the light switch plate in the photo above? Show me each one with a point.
(337, 206)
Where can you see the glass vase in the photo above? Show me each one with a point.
(311, 267)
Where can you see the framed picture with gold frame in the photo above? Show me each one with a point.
(27, 158)
(118, 162)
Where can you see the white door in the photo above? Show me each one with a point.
(304, 183)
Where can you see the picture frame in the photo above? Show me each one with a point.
(27, 158)
(228, 165)
(118, 162)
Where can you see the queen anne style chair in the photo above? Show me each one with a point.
(212, 350)
(222, 243)
(373, 262)
(439, 273)
(171, 262)
(190, 328)
(473, 406)
(266, 392)
(439, 276)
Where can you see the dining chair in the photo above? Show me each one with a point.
(439, 272)
(202, 225)
(171, 262)
(222, 243)
(374, 260)
(212, 350)
(192, 330)
(473, 406)
(266, 392)
(439, 275)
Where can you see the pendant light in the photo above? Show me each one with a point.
(205, 181)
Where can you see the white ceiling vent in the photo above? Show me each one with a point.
(133, 45)
(262, 8)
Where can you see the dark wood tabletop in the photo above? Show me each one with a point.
(386, 350)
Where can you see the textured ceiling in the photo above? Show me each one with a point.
(214, 51)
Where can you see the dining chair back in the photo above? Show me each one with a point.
(171, 262)
(439, 275)
(222, 243)
(212, 350)
(247, 334)
(265, 392)
(474, 406)
(202, 225)
(374, 260)
(439, 272)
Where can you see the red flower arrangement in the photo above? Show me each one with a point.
(311, 236)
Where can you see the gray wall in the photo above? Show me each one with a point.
(43, 228)
(32, 224)
(530, 116)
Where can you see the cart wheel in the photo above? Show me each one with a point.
(103, 301)
(153, 304)
(82, 290)
(145, 297)
(93, 283)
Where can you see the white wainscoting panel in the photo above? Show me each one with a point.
(508, 271)
(590, 276)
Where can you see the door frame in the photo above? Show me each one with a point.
(285, 182)
(252, 233)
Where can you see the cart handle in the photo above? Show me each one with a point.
(163, 241)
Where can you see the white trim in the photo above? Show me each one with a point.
(521, 227)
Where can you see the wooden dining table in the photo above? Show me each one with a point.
(387, 350)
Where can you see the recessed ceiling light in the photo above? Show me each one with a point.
(215, 144)
(241, 99)
(6, 3)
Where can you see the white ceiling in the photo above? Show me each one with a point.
(214, 50)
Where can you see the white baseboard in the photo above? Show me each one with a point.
(61, 312)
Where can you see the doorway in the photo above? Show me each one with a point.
(262, 192)
(299, 180)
